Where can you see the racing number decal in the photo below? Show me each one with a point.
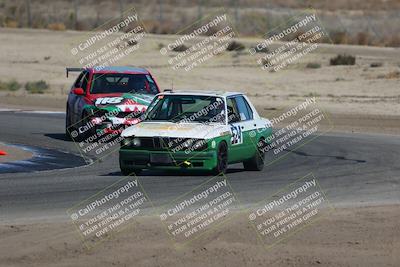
(237, 136)
(108, 100)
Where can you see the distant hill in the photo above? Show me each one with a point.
(364, 22)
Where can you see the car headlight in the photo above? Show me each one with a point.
(188, 143)
(126, 142)
(136, 142)
(201, 144)
(131, 142)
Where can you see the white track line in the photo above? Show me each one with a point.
(9, 109)
(42, 112)
(31, 111)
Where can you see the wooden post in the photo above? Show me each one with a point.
(160, 9)
(121, 9)
(76, 4)
(200, 9)
(28, 13)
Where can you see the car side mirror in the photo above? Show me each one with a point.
(78, 91)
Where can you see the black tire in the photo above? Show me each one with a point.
(129, 171)
(256, 163)
(222, 159)
(82, 137)
(68, 128)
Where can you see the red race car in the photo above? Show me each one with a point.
(107, 100)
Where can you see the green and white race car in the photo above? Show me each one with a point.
(196, 130)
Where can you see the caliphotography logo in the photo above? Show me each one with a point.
(109, 211)
(199, 211)
(290, 210)
(199, 133)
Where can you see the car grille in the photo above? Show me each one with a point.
(172, 144)
(128, 115)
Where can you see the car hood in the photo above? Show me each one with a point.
(178, 130)
(123, 102)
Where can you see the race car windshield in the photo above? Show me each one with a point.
(104, 83)
(189, 109)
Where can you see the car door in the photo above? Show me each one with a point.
(78, 100)
(240, 123)
(248, 125)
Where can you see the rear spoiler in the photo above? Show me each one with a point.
(68, 70)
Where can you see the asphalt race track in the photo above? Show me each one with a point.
(353, 169)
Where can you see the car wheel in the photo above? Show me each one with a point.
(129, 171)
(222, 159)
(68, 128)
(82, 137)
(256, 163)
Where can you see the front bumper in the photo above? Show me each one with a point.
(144, 159)
(113, 125)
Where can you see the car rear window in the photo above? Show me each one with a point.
(104, 83)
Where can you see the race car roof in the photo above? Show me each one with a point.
(206, 93)
(120, 69)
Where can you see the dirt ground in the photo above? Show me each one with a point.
(31, 55)
(358, 98)
(339, 239)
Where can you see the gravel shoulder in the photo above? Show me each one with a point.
(338, 239)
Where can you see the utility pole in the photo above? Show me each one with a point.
(200, 9)
(75, 2)
(160, 8)
(121, 9)
(28, 13)
(236, 12)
